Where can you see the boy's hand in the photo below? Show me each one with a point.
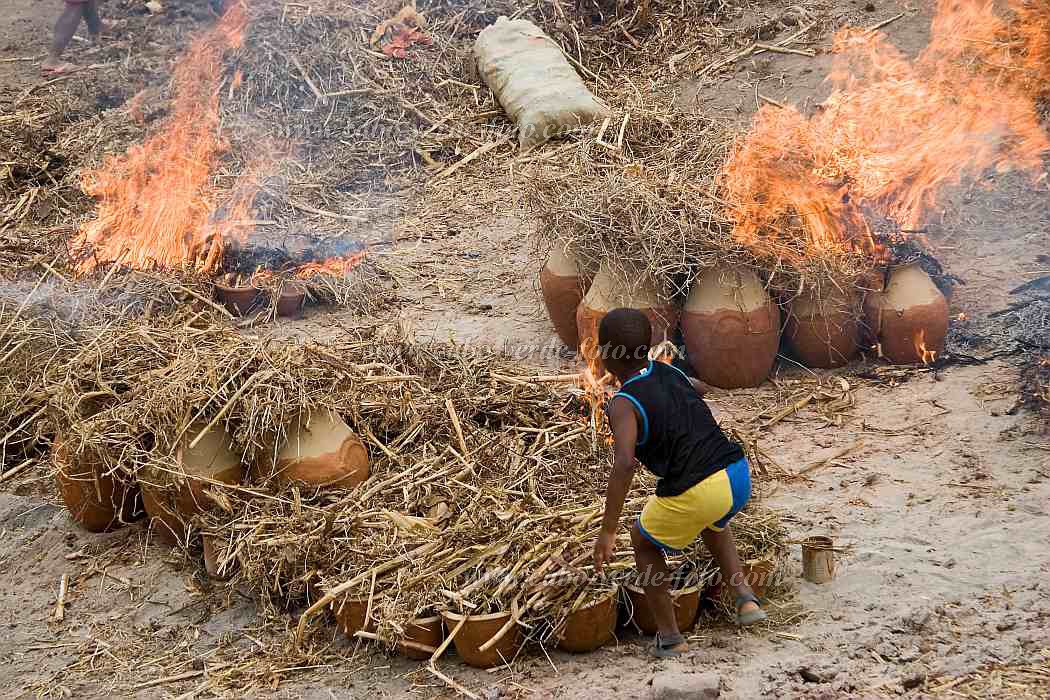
(603, 550)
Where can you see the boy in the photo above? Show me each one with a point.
(659, 418)
(66, 27)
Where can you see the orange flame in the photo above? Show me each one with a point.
(339, 266)
(890, 138)
(927, 356)
(597, 385)
(157, 207)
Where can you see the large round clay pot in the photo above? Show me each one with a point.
(823, 327)
(173, 500)
(591, 626)
(607, 293)
(477, 631)
(420, 635)
(686, 608)
(731, 328)
(910, 315)
(96, 501)
(564, 281)
(322, 451)
(351, 614)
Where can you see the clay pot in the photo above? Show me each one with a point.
(911, 313)
(426, 632)
(564, 282)
(477, 631)
(731, 328)
(591, 626)
(350, 616)
(240, 301)
(823, 328)
(759, 574)
(96, 501)
(290, 302)
(606, 294)
(172, 506)
(686, 607)
(322, 451)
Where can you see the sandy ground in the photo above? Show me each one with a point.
(943, 509)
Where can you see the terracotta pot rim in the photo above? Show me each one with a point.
(420, 621)
(606, 597)
(475, 618)
(226, 288)
(819, 542)
(674, 594)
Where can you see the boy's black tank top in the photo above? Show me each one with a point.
(678, 438)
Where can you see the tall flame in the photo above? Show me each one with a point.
(157, 207)
(894, 133)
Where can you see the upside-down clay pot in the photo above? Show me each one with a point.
(823, 327)
(686, 608)
(564, 281)
(477, 631)
(731, 328)
(173, 505)
(608, 293)
(422, 634)
(321, 450)
(97, 502)
(591, 626)
(910, 315)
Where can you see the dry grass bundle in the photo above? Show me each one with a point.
(639, 195)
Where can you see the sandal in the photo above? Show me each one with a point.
(752, 617)
(671, 647)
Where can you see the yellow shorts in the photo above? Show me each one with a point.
(673, 523)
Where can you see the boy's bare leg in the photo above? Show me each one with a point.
(94, 23)
(65, 28)
(723, 548)
(656, 581)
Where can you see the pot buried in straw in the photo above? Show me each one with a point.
(592, 625)
(420, 635)
(731, 328)
(564, 281)
(823, 327)
(607, 292)
(322, 450)
(172, 501)
(476, 633)
(909, 318)
(98, 502)
(686, 607)
(239, 301)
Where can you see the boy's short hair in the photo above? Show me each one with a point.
(624, 334)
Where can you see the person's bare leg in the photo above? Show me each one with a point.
(723, 548)
(93, 21)
(656, 582)
(65, 28)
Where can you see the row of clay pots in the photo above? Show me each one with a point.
(732, 326)
(320, 452)
(241, 301)
(492, 640)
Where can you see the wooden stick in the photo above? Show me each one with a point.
(505, 629)
(540, 378)
(63, 589)
(838, 454)
(882, 24)
(459, 430)
(783, 49)
(321, 97)
(169, 679)
(477, 153)
(14, 470)
(432, 666)
(787, 411)
(771, 101)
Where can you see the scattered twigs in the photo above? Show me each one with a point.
(60, 606)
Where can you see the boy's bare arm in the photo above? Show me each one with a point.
(700, 387)
(625, 432)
